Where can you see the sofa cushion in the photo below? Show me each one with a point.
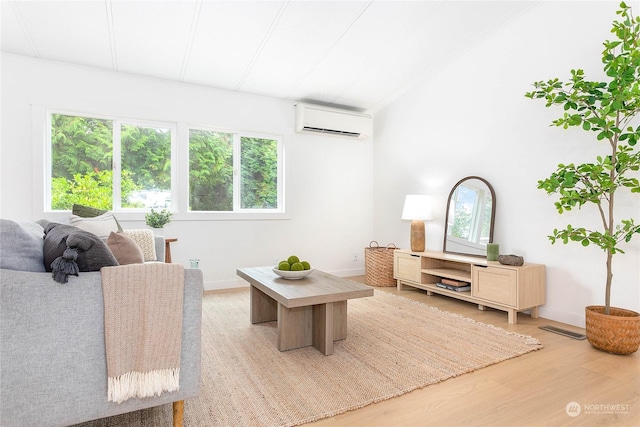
(125, 249)
(146, 240)
(90, 212)
(22, 244)
(69, 250)
(101, 225)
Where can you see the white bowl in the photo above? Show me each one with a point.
(292, 275)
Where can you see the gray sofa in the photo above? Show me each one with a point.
(52, 349)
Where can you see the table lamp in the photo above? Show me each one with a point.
(417, 208)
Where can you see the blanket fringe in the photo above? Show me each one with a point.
(143, 384)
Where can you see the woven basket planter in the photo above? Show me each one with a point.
(379, 265)
(618, 332)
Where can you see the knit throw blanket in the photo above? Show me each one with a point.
(143, 329)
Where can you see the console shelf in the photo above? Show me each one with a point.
(503, 287)
(449, 273)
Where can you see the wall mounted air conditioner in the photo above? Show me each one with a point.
(332, 121)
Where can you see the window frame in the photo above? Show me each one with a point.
(117, 123)
(174, 160)
(238, 212)
(41, 140)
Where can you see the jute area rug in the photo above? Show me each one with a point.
(394, 345)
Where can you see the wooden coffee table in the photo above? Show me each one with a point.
(309, 311)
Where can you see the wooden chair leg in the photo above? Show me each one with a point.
(178, 413)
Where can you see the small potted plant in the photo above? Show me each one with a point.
(608, 109)
(158, 219)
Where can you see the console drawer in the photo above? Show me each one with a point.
(495, 284)
(407, 267)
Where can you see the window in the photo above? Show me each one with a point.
(83, 169)
(146, 166)
(129, 165)
(233, 172)
(210, 170)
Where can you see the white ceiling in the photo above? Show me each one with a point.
(360, 54)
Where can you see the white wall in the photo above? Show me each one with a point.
(472, 118)
(329, 178)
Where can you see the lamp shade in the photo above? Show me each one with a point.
(417, 207)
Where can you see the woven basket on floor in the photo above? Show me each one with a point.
(379, 265)
(618, 332)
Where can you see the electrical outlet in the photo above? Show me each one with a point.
(355, 257)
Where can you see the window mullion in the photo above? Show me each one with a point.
(48, 178)
(117, 165)
(236, 171)
(280, 175)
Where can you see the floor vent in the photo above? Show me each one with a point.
(574, 335)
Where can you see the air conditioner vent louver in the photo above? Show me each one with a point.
(331, 131)
(332, 121)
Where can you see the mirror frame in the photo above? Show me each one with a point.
(493, 215)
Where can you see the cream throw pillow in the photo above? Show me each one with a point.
(146, 240)
(101, 225)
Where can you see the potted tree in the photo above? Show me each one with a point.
(607, 109)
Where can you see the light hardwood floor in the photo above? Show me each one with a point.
(530, 390)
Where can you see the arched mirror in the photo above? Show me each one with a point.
(470, 216)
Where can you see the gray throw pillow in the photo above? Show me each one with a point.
(22, 244)
(69, 250)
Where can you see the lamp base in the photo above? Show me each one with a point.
(417, 236)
